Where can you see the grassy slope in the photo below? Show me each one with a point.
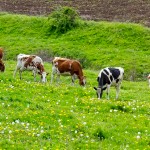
(96, 44)
(44, 116)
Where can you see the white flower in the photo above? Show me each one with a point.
(75, 131)
(10, 131)
(111, 110)
(42, 131)
(17, 121)
(84, 123)
(13, 123)
(138, 137)
(38, 134)
(28, 124)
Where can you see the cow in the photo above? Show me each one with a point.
(33, 63)
(107, 77)
(2, 65)
(65, 66)
(148, 79)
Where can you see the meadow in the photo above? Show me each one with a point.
(65, 117)
(62, 116)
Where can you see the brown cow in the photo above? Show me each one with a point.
(33, 63)
(2, 65)
(71, 67)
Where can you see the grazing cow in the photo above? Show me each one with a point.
(66, 66)
(106, 78)
(148, 79)
(2, 65)
(30, 62)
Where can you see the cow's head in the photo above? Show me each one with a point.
(99, 92)
(82, 81)
(43, 76)
(2, 66)
(148, 76)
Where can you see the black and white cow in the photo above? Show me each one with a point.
(107, 77)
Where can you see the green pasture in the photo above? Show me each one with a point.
(62, 116)
(95, 44)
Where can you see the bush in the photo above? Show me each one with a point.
(62, 20)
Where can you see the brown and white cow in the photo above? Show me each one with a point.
(148, 79)
(64, 66)
(30, 62)
(2, 65)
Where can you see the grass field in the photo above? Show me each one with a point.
(94, 44)
(65, 117)
(61, 116)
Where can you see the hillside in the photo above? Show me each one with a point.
(60, 116)
(94, 44)
(107, 10)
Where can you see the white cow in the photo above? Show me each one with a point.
(148, 79)
(30, 62)
(107, 77)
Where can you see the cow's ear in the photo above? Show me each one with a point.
(95, 88)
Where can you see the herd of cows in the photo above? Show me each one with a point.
(64, 66)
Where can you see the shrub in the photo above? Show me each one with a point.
(62, 20)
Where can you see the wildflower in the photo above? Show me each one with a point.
(84, 123)
(10, 131)
(75, 131)
(138, 137)
(38, 135)
(17, 121)
(42, 131)
(13, 123)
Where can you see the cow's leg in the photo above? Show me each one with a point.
(20, 74)
(58, 78)
(108, 91)
(15, 71)
(52, 77)
(34, 74)
(54, 71)
(117, 90)
(73, 79)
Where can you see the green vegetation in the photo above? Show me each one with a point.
(61, 116)
(95, 44)
(52, 116)
(62, 20)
